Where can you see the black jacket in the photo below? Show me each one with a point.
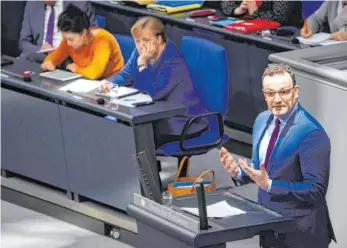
(288, 13)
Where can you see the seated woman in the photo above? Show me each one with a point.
(158, 68)
(94, 51)
(333, 13)
(288, 13)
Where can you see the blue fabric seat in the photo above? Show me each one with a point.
(127, 45)
(101, 21)
(309, 7)
(207, 62)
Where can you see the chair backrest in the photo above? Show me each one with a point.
(127, 45)
(309, 7)
(208, 65)
(101, 21)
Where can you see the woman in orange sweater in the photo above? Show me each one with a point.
(94, 51)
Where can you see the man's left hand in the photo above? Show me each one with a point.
(260, 177)
(72, 67)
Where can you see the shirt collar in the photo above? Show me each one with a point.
(284, 118)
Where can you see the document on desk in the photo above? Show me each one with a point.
(120, 92)
(81, 86)
(129, 101)
(46, 50)
(217, 210)
(319, 39)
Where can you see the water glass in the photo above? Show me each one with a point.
(167, 199)
(114, 92)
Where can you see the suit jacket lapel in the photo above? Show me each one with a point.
(282, 139)
(40, 21)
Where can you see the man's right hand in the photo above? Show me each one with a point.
(228, 162)
(242, 9)
(105, 86)
(46, 46)
(47, 66)
(306, 33)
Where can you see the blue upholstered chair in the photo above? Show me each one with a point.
(101, 21)
(309, 7)
(127, 45)
(207, 61)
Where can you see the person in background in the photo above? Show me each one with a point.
(290, 164)
(288, 13)
(94, 51)
(39, 27)
(333, 13)
(158, 68)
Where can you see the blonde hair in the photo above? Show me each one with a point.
(279, 69)
(150, 22)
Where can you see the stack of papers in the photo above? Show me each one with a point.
(218, 210)
(81, 86)
(129, 101)
(319, 39)
(119, 92)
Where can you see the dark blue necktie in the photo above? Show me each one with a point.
(50, 27)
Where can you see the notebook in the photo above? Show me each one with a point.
(223, 22)
(81, 86)
(119, 93)
(131, 101)
(319, 39)
(60, 75)
(252, 26)
(175, 6)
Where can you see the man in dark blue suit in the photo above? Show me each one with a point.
(39, 27)
(290, 164)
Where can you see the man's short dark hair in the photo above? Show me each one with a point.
(279, 69)
(73, 19)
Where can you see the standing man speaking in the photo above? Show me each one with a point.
(290, 164)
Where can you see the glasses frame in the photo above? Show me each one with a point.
(278, 92)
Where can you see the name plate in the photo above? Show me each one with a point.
(166, 213)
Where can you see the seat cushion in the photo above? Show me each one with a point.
(170, 130)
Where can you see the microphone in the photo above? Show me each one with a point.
(24, 78)
(100, 101)
(200, 191)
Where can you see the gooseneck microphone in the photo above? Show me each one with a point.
(200, 192)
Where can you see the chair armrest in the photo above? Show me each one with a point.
(190, 121)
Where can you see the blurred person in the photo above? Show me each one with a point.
(39, 27)
(95, 53)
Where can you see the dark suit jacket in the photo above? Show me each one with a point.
(288, 13)
(299, 168)
(32, 32)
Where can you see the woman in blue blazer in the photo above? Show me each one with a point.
(158, 68)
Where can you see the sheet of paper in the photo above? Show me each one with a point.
(128, 101)
(46, 50)
(120, 92)
(81, 86)
(217, 210)
(315, 39)
(331, 42)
